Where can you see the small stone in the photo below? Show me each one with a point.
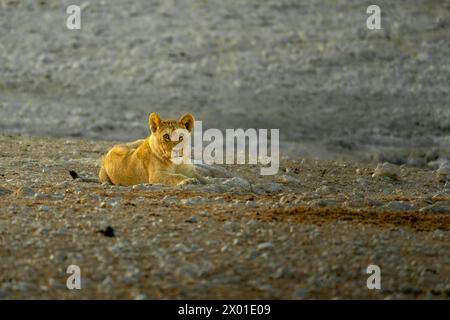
(324, 203)
(180, 247)
(237, 183)
(192, 219)
(63, 184)
(325, 190)
(145, 187)
(443, 172)
(267, 188)
(194, 201)
(438, 207)
(43, 208)
(357, 203)
(287, 179)
(251, 204)
(169, 199)
(113, 202)
(387, 169)
(265, 246)
(230, 226)
(398, 206)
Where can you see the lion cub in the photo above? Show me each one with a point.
(150, 160)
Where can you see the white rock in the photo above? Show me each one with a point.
(265, 246)
(251, 204)
(145, 187)
(267, 188)
(193, 201)
(443, 172)
(387, 169)
(237, 183)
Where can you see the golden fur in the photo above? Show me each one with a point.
(149, 160)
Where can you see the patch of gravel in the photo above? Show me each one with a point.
(312, 239)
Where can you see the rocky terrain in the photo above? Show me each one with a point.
(308, 232)
(373, 106)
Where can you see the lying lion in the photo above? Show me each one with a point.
(150, 160)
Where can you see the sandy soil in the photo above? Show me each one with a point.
(308, 232)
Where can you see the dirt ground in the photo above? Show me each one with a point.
(308, 232)
(337, 91)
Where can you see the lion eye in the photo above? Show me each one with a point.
(166, 136)
(181, 138)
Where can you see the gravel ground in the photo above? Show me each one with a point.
(308, 232)
(337, 91)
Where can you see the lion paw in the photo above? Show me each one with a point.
(189, 181)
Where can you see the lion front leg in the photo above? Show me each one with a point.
(189, 170)
(170, 179)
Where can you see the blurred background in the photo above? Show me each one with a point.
(311, 68)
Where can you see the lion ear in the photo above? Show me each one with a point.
(154, 121)
(187, 121)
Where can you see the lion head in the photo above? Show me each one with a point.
(168, 137)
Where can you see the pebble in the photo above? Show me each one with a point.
(47, 196)
(192, 219)
(387, 169)
(399, 206)
(145, 187)
(169, 199)
(325, 190)
(443, 173)
(267, 188)
(265, 246)
(251, 204)
(230, 226)
(180, 247)
(438, 207)
(194, 201)
(236, 184)
(284, 178)
(43, 208)
(324, 203)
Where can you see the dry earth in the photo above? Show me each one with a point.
(308, 232)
